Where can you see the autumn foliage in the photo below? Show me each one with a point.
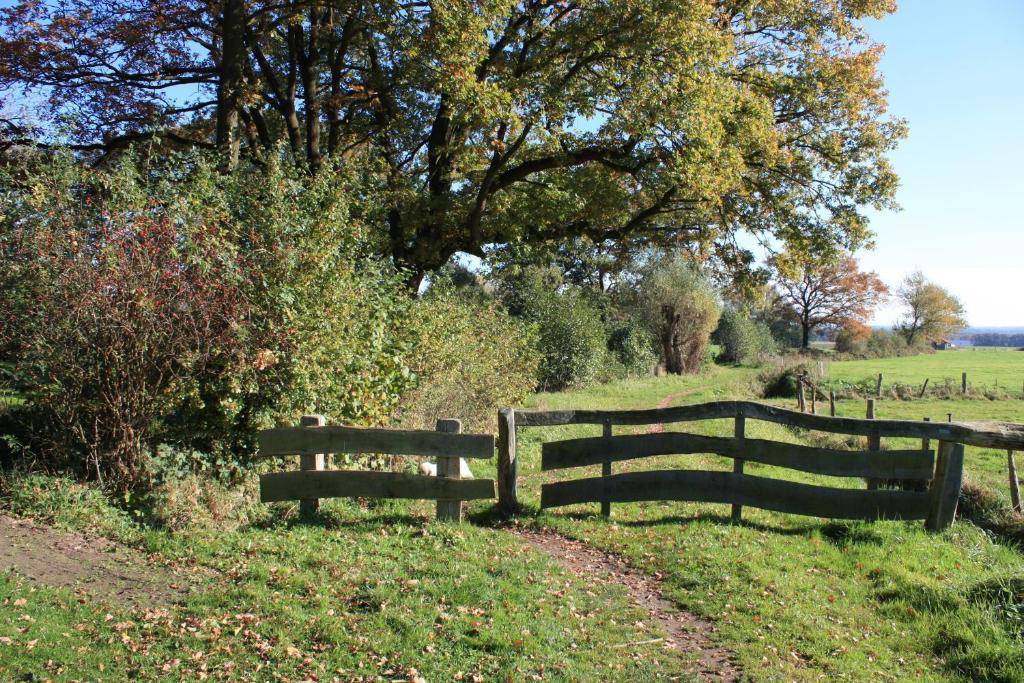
(705, 118)
(114, 315)
(830, 293)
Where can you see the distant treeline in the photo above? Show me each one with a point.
(994, 339)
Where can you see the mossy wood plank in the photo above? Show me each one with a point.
(1004, 435)
(305, 440)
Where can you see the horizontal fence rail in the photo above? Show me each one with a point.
(907, 464)
(307, 440)
(280, 486)
(740, 489)
(313, 441)
(1003, 435)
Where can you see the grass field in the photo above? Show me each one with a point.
(377, 591)
(378, 594)
(985, 367)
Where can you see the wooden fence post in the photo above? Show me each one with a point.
(801, 399)
(1011, 466)
(814, 400)
(878, 386)
(832, 402)
(874, 442)
(737, 464)
(508, 494)
(449, 468)
(926, 443)
(924, 388)
(309, 506)
(963, 384)
(606, 469)
(944, 489)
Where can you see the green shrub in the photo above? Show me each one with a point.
(571, 337)
(171, 303)
(884, 344)
(632, 347)
(571, 340)
(780, 381)
(470, 358)
(743, 340)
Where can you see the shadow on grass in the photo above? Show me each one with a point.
(840, 534)
(353, 519)
(844, 535)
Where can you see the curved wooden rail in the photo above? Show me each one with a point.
(908, 464)
(741, 489)
(1002, 435)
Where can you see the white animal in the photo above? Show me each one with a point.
(430, 469)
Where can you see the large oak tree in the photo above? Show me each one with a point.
(491, 122)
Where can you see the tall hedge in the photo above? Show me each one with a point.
(171, 303)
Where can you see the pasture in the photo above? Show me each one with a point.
(798, 598)
(985, 367)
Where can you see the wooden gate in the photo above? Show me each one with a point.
(313, 441)
(936, 504)
(743, 489)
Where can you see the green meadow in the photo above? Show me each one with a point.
(985, 367)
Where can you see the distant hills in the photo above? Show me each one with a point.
(991, 336)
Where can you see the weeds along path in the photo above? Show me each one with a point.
(92, 565)
(684, 631)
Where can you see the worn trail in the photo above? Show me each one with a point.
(94, 566)
(684, 631)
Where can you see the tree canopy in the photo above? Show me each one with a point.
(678, 122)
(832, 293)
(931, 313)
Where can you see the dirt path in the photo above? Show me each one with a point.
(665, 403)
(94, 566)
(684, 631)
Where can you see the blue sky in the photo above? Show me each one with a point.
(955, 71)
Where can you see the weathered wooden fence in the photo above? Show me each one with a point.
(313, 441)
(936, 504)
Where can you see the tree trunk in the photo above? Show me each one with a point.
(309, 67)
(230, 84)
(806, 335)
(675, 358)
